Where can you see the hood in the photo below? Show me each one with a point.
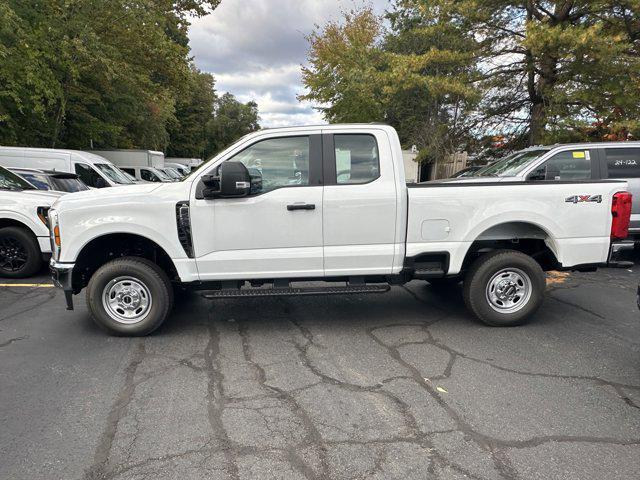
(45, 197)
(102, 193)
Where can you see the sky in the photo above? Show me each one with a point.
(255, 49)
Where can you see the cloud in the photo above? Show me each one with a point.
(255, 49)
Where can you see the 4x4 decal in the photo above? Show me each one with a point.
(584, 198)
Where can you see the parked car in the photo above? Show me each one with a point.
(330, 203)
(183, 170)
(51, 180)
(93, 170)
(580, 162)
(147, 174)
(171, 173)
(466, 172)
(24, 236)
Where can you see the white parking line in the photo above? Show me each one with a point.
(28, 285)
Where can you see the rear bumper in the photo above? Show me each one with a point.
(62, 276)
(617, 253)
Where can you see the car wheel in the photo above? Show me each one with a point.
(20, 254)
(504, 288)
(129, 296)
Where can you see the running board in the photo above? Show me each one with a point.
(293, 291)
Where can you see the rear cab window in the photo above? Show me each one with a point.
(622, 162)
(568, 165)
(357, 158)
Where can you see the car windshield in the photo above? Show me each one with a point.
(37, 180)
(11, 181)
(172, 173)
(163, 176)
(511, 165)
(69, 185)
(114, 174)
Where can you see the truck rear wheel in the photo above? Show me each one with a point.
(129, 296)
(20, 254)
(504, 288)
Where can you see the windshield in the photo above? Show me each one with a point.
(11, 181)
(172, 173)
(69, 185)
(37, 180)
(114, 174)
(163, 176)
(511, 165)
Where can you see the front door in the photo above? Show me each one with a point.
(276, 231)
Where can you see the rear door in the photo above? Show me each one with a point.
(360, 203)
(623, 162)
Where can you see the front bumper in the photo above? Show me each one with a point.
(617, 252)
(62, 276)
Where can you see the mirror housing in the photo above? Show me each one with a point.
(233, 181)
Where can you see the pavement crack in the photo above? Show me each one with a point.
(216, 400)
(98, 469)
(12, 340)
(312, 435)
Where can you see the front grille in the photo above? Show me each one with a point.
(183, 222)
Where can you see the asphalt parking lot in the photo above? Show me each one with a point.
(404, 385)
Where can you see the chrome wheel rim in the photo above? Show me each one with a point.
(127, 300)
(509, 290)
(13, 255)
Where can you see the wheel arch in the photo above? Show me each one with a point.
(104, 248)
(528, 237)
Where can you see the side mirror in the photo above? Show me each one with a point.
(233, 181)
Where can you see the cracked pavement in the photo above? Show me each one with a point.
(402, 385)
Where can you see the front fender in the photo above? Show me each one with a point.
(73, 245)
(37, 228)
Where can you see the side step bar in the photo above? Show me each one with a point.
(295, 291)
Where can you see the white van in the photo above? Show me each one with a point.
(95, 171)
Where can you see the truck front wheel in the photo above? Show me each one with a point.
(504, 288)
(129, 296)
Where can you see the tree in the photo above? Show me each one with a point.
(551, 68)
(232, 120)
(410, 78)
(107, 72)
(345, 65)
(188, 135)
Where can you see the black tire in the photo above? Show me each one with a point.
(476, 292)
(146, 275)
(20, 254)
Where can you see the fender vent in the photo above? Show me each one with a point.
(183, 222)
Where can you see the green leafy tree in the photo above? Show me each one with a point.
(232, 120)
(552, 68)
(188, 135)
(107, 72)
(417, 77)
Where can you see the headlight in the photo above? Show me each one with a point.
(54, 230)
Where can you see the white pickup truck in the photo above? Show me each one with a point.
(24, 237)
(327, 204)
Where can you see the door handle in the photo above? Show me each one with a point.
(301, 206)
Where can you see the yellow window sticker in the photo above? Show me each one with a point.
(578, 155)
